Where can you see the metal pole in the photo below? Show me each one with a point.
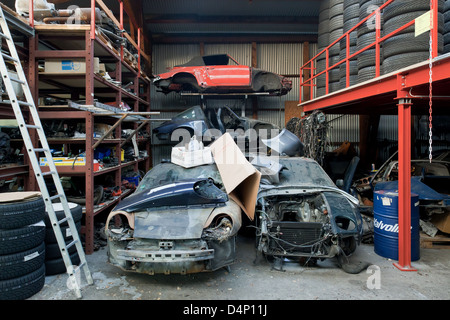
(404, 185)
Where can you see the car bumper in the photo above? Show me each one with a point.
(167, 257)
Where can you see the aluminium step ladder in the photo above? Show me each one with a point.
(13, 59)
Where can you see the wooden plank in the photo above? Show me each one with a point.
(436, 242)
(291, 110)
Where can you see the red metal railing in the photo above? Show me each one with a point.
(378, 39)
(119, 24)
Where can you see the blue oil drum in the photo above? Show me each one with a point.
(385, 212)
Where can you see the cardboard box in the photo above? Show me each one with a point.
(441, 221)
(190, 159)
(65, 66)
(240, 178)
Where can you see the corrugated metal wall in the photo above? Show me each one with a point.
(282, 58)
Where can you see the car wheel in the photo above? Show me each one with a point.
(187, 82)
(266, 82)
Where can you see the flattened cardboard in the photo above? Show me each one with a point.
(240, 178)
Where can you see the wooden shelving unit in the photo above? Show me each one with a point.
(81, 44)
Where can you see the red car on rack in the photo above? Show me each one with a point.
(220, 73)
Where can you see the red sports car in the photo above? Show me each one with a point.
(220, 73)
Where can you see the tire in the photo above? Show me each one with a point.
(353, 70)
(57, 266)
(75, 209)
(367, 59)
(23, 287)
(21, 239)
(447, 48)
(396, 22)
(18, 214)
(405, 43)
(52, 251)
(50, 234)
(401, 7)
(19, 264)
(403, 60)
(343, 81)
(351, 9)
(366, 74)
(336, 8)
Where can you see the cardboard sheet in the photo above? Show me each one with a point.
(18, 196)
(240, 178)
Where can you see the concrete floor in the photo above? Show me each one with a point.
(247, 281)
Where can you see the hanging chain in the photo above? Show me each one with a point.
(430, 118)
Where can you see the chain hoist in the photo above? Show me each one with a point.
(430, 118)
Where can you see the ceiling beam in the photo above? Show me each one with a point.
(232, 38)
(193, 18)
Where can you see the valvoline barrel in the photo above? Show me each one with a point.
(385, 212)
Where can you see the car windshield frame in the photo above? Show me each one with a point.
(303, 173)
(166, 173)
(194, 113)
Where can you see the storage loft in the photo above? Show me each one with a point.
(418, 88)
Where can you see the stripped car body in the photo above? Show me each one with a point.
(179, 221)
(302, 213)
(210, 124)
(220, 73)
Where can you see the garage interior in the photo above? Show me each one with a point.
(379, 100)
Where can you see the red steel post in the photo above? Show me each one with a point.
(404, 176)
(377, 42)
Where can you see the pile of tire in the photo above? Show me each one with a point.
(366, 35)
(404, 48)
(22, 247)
(351, 18)
(336, 31)
(54, 263)
(323, 40)
(447, 26)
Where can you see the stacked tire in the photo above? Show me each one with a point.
(22, 247)
(447, 26)
(366, 35)
(351, 18)
(336, 31)
(323, 41)
(54, 263)
(404, 48)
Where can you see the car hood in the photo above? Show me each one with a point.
(418, 187)
(186, 193)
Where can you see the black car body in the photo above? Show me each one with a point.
(302, 213)
(210, 123)
(178, 221)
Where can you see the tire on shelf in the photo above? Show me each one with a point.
(23, 287)
(17, 214)
(19, 264)
(408, 42)
(403, 60)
